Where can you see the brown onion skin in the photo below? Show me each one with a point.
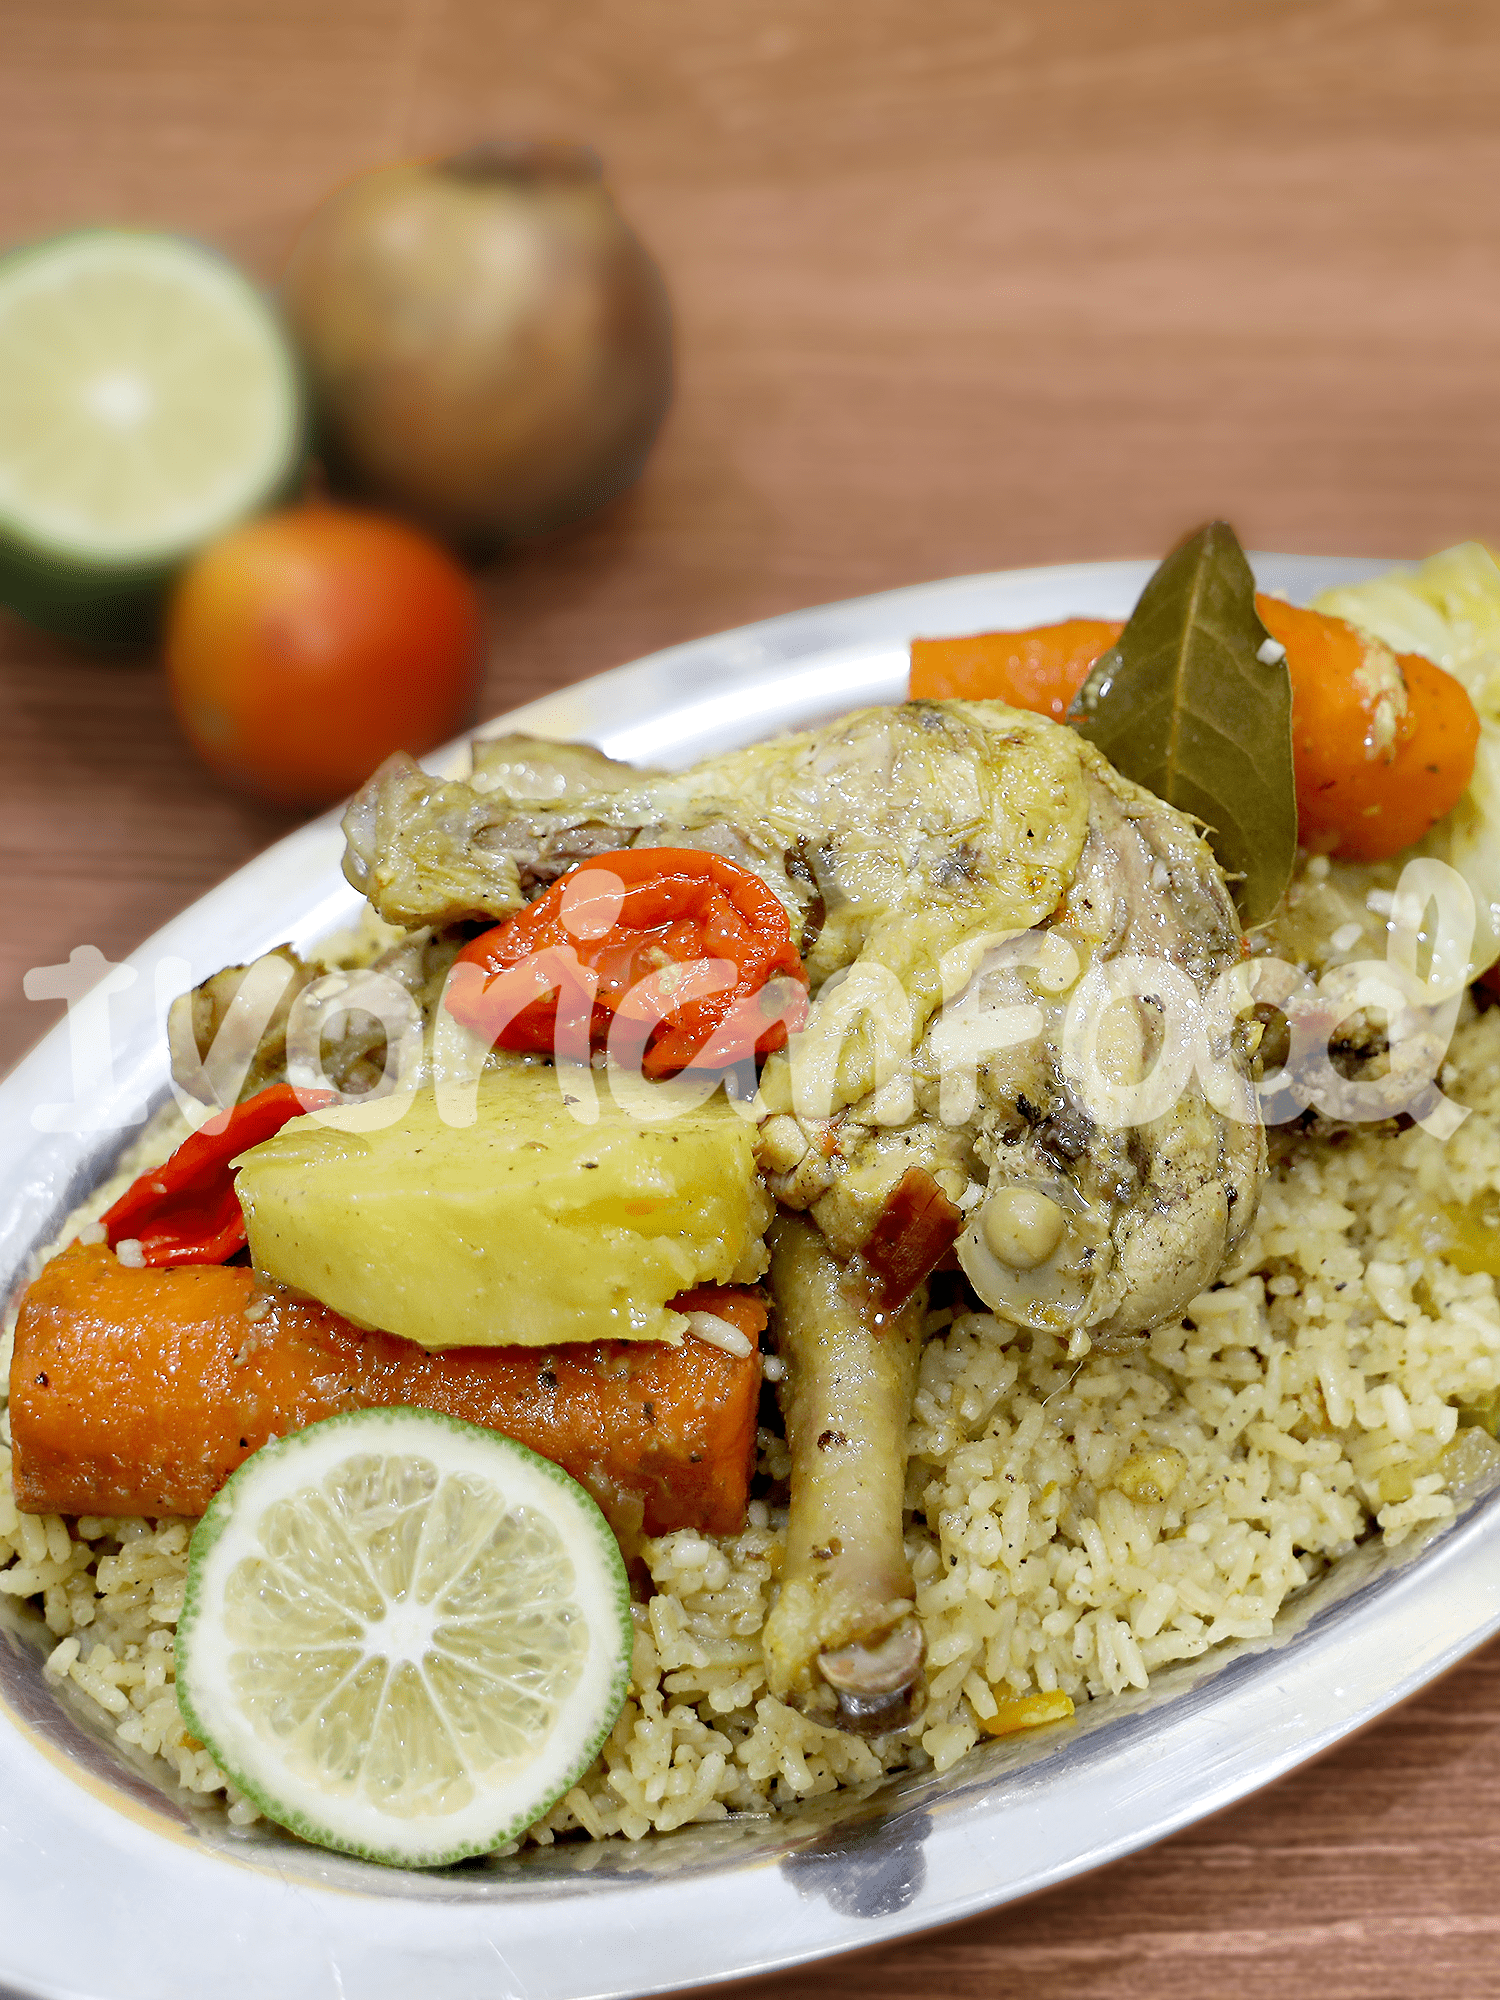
(488, 343)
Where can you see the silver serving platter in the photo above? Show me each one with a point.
(116, 1884)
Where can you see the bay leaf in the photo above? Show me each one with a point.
(1186, 703)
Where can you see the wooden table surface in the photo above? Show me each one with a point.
(960, 284)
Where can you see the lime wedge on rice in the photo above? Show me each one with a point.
(149, 400)
(403, 1636)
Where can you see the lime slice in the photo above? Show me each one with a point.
(149, 400)
(403, 1636)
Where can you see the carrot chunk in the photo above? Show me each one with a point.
(1383, 743)
(1041, 669)
(744, 1308)
(140, 1391)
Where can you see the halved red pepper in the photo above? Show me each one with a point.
(186, 1211)
(664, 943)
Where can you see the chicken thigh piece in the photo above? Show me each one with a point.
(1077, 1225)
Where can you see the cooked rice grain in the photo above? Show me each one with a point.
(1075, 1525)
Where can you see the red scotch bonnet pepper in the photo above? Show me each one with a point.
(186, 1211)
(652, 952)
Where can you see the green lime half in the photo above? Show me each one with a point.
(403, 1636)
(149, 400)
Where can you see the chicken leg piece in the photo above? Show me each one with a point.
(844, 1632)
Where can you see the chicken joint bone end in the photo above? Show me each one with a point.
(1022, 1226)
(875, 1684)
(883, 1668)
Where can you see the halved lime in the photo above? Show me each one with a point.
(403, 1636)
(149, 400)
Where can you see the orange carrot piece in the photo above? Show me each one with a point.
(140, 1391)
(1041, 669)
(1370, 780)
(1382, 744)
(745, 1309)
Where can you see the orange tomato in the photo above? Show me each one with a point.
(1041, 669)
(1382, 743)
(305, 647)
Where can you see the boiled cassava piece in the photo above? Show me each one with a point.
(527, 1226)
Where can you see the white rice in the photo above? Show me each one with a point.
(1075, 1525)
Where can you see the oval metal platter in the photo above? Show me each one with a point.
(113, 1882)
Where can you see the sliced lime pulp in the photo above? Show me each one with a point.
(148, 401)
(403, 1636)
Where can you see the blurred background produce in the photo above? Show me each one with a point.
(489, 345)
(486, 348)
(308, 645)
(148, 401)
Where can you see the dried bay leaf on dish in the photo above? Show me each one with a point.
(1186, 704)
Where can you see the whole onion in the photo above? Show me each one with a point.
(488, 343)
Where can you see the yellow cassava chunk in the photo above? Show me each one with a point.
(525, 1226)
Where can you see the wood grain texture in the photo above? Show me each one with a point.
(959, 285)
